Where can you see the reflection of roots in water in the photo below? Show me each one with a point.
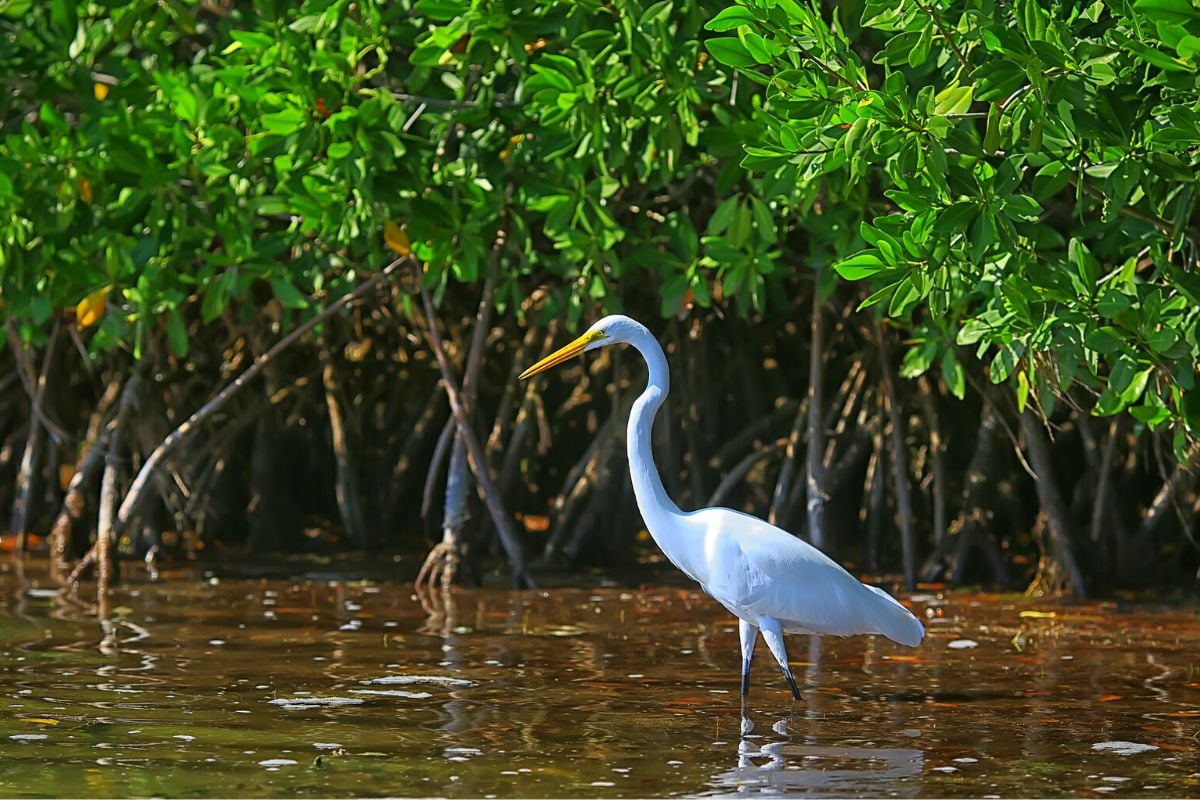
(438, 605)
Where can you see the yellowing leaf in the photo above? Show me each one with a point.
(1038, 614)
(396, 238)
(40, 720)
(85, 187)
(100, 91)
(91, 308)
(511, 146)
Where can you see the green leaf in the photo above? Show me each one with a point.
(860, 265)
(285, 122)
(730, 18)
(731, 52)
(953, 99)
(998, 80)
(287, 294)
(953, 375)
(252, 40)
(1105, 340)
(1178, 11)
(918, 360)
(878, 295)
(1136, 386)
(972, 331)
(906, 297)
(177, 333)
(441, 10)
(1150, 415)
(1005, 362)
(1050, 180)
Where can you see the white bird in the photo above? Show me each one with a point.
(773, 582)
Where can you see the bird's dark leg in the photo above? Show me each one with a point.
(749, 635)
(773, 636)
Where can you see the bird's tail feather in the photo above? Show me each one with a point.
(895, 621)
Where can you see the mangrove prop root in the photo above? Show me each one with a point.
(106, 537)
(91, 457)
(500, 518)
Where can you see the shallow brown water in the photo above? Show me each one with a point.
(249, 688)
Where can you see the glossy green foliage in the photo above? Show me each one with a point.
(1023, 177)
(1012, 180)
(201, 158)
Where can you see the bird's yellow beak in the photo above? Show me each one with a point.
(564, 354)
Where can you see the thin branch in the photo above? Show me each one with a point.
(1144, 216)
(138, 490)
(825, 68)
(937, 20)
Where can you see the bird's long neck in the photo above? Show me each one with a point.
(657, 508)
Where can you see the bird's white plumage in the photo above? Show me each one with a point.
(759, 571)
(772, 581)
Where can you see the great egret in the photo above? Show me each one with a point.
(773, 582)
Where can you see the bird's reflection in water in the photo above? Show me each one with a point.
(820, 771)
(815, 770)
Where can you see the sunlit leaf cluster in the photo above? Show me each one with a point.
(194, 160)
(1023, 177)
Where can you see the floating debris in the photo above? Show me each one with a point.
(462, 751)
(326, 745)
(28, 737)
(963, 644)
(183, 737)
(436, 680)
(278, 762)
(310, 701)
(1124, 748)
(393, 693)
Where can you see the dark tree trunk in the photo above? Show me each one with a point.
(899, 459)
(936, 458)
(816, 485)
(346, 484)
(973, 524)
(1059, 556)
(28, 471)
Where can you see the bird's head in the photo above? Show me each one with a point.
(613, 329)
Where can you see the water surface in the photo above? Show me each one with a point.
(320, 687)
